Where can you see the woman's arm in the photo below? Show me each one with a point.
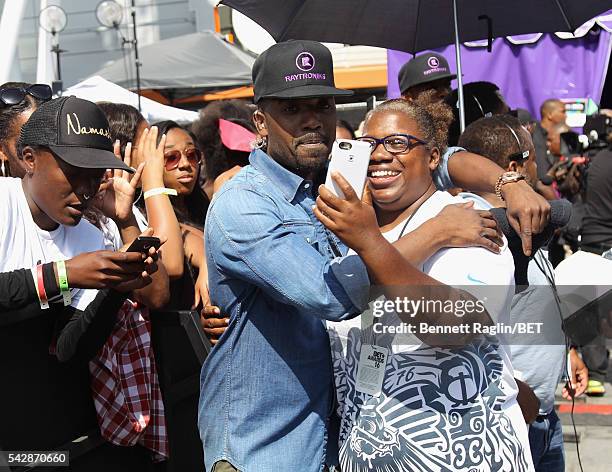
(391, 273)
(455, 226)
(194, 246)
(160, 213)
(195, 251)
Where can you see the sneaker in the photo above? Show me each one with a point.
(595, 388)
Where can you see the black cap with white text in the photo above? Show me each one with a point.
(75, 130)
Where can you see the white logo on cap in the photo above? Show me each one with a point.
(433, 62)
(305, 61)
(78, 129)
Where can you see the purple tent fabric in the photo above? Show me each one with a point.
(529, 74)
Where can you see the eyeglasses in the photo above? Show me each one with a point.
(14, 95)
(394, 143)
(172, 158)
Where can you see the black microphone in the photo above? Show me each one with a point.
(560, 213)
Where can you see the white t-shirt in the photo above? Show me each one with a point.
(439, 409)
(23, 244)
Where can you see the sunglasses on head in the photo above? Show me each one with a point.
(173, 157)
(14, 95)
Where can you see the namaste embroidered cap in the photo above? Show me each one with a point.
(295, 69)
(75, 130)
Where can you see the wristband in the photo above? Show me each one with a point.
(40, 288)
(51, 287)
(35, 279)
(63, 282)
(160, 191)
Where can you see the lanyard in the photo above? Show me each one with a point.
(367, 319)
(410, 218)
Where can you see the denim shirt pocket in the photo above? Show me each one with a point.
(302, 228)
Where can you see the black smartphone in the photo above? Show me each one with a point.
(144, 243)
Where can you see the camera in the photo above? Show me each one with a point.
(598, 129)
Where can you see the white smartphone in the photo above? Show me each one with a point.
(350, 159)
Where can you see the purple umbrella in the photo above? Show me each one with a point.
(415, 25)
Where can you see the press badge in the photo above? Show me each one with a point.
(371, 369)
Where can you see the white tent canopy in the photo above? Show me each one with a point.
(97, 89)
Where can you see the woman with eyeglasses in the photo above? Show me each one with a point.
(18, 100)
(404, 403)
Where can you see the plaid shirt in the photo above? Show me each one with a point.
(125, 386)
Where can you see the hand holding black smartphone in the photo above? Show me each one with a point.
(143, 244)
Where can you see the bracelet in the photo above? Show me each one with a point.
(498, 186)
(35, 279)
(506, 178)
(160, 191)
(63, 282)
(40, 288)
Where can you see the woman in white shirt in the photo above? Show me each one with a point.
(431, 408)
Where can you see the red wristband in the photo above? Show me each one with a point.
(42, 294)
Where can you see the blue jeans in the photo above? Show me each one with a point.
(546, 441)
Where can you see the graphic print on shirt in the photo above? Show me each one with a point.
(440, 410)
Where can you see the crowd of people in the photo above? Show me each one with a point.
(307, 373)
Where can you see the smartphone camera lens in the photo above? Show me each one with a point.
(345, 145)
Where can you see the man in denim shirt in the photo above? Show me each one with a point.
(267, 387)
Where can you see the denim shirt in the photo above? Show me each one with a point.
(267, 387)
(441, 177)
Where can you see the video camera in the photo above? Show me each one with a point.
(598, 129)
(596, 135)
(578, 149)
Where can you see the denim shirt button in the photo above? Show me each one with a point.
(306, 185)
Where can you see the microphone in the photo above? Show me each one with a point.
(560, 213)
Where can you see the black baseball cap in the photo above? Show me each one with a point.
(423, 69)
(76, 131)
(295, 69)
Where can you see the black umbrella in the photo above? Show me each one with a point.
(415, 25)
